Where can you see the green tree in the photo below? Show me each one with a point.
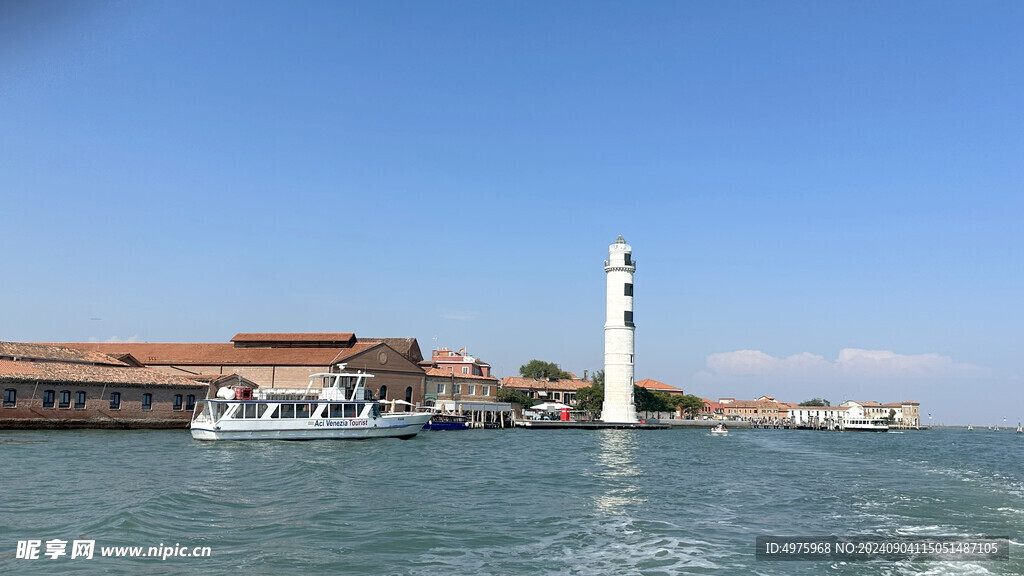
(691, 405)
(891, 418)
(590, 398)
(650, 400)
(515, 396)
(815, 402)
(541, 369)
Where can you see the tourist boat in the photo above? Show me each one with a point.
(857, 425)
(720, 430)
(341, 409)
(969, 427)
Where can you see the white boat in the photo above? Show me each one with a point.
(858, 425)
(339, 410)
(720, 430)
(969, 427)
(1020, 429)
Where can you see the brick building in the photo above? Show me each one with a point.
(57, 387)
(286, 360)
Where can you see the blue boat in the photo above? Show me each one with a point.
(447, 422)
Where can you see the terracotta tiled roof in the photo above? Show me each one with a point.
(535, 384)
(407, 347)
(227, 354)
(655, 385)
(444, 372)
(311, 337)
(67, 373)
(88, 353)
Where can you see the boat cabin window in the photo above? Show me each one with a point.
(302, 410)
(287, 410)
(336, 411)
(351, 410)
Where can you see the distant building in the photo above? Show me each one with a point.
(459, 363)
(652, 385)
(458, 376)
(547, 389)
(764, 408)
(903, 414)
(829, 417)
(286, 360)
(57, 387)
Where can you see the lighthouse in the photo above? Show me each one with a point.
(618, 335)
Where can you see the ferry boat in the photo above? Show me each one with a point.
(856, 425)
(341, 409)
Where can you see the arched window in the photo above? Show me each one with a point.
(383, 393)
(48, 397)
(408, 398)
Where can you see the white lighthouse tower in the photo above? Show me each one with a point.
(618, 335)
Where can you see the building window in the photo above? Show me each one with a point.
(456, 388)
(471, 390)
(115, 400)
(65, 399)
(629, 289)
(48, 397)
(465, 369)
(627, 316)
(10, 398)
(79, 400)
(190, 402)
(383, 393)
(440, 387)
(408, 398)
(485, 390)
(629, 258)
(147, 401)
(177, 401)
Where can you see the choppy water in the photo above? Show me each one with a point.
(504, 501)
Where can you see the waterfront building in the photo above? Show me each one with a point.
(49, 386)
(712, 410)
(763, 408)
(618, 334)
(653, 385)
(905, 414)
(458, 376)
(547, 389)
(285, 360)
(827, 417)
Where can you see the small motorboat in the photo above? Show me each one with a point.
(720, 430)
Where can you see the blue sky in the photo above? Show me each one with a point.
(824, 198)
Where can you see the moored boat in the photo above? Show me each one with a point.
(441, 421)
(341, 409)
(858, 425)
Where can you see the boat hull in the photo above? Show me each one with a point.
(405, 427)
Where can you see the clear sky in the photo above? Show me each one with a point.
(824, 198)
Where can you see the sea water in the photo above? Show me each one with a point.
(499, 501)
